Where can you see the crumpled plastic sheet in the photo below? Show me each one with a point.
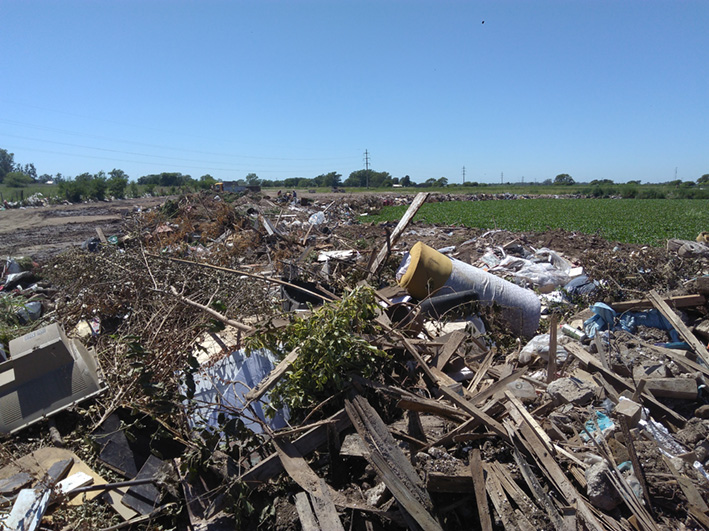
(606, 318)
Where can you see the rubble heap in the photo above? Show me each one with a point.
(261, 363)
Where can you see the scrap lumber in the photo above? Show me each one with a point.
(275, 375)
(683, 301)
(305, 512)
(305, 444)
(541, 496)
(551, 362)
(477, 473)
(475, 412)
(391, 464)
(28, 509)
(299, 470)
(427, 405)
(678, 325)
(656, 408)
(414, 207)
(502, 505)
(451, 346)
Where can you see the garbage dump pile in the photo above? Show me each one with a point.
(246, 362)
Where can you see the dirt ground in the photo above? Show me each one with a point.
(40, 232)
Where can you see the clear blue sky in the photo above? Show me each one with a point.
(600, 90)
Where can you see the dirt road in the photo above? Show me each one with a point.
(43, 231)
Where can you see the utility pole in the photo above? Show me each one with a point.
(502, 175)
(366, 165)
(463, 174)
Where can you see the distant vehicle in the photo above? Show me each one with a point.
(337, 190)
(234, 188)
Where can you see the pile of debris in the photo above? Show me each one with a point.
(246, 362)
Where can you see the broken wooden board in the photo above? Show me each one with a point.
(299, 470)
(11, 485)
(391, 464)
(450, 348)
(270, 380)
(305, 444)
(40, 461)
(682, 301)
(478, 476)
(28, 509)
(419, 200)
(678, 325)
(680, 388)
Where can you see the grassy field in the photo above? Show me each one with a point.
(15, 194)
(642, 221)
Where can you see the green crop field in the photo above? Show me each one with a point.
(642, 221)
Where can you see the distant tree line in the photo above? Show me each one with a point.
(116, 183)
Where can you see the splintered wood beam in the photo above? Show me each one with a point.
(391, 464)
(299, 470)
(451, 346)
(683, 301)
(419, 200)
(676, 322)
(305, 444)
(475, 412)
(275, 375)
(477, 473)
(658, 409)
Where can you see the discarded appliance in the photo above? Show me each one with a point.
(46, 373)
(424, 271)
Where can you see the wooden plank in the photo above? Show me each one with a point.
(498, 386)
(681, 328)
(515, 406)
(101, 236)
(690, 491)
(391, 464)
(484, 367)
(502, 505)
(542, 497)
(73, 482)
(554, 472)
(656, 408)
(299, 470)
(308, 521)
(477, 473)
(305, 444)
(551, 362)
(325, 508)
(682, 301)
(427, 405)
(450, 383)
(450, 348)
(275, 375)
(419, 200)
(637, 467)
(14, 483)
(680, 388)
(29, 507)
(681, 359)
(475, 412)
